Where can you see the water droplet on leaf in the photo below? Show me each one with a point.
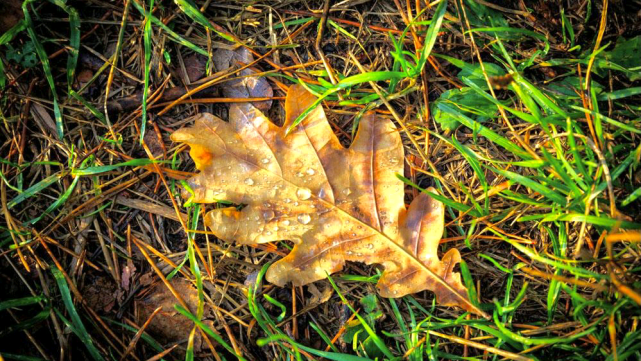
(304, 218)
(303, 193)
(249, 182)
(268, 215)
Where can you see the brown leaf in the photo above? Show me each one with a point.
(169, 326)
(100, 293)
(248, 86)
(335, 204)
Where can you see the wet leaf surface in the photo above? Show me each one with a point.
(335, 204)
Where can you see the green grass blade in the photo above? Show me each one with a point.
(193, 262)
(561, 265)
(539, 341)
(544, 101)
(74, 40)
(208, 331)
(28, 323)
(448, 202)
(172, 34)
(536, 186)
(633, 129)
(33, 190)
(530, 33)
(19, 302)
(619, 94)
(380, 344)
(632, 197)
(323, 336)
(11, 356)
(147, 46)
(76, 321)
(96, 113)
(486, 132)
(61, 200)
(190, 9)
(46, 67)
(577, 217)
(107, 168)
(431, 35)
(4, 39)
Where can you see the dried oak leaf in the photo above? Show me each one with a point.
(335, 204)
(168, 326)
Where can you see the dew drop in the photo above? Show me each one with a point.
(287, 200)
(295, 204)
(264, 160)
(304, 218)
(249, 182)
(268, 233)
(310, 171)
(268, 215)
(267, 205)
(276, 228)
(300, 174)
(303, 193)
(347, 191)
(257, 218)
(286, 222)
(370, 246)
(349, 253)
